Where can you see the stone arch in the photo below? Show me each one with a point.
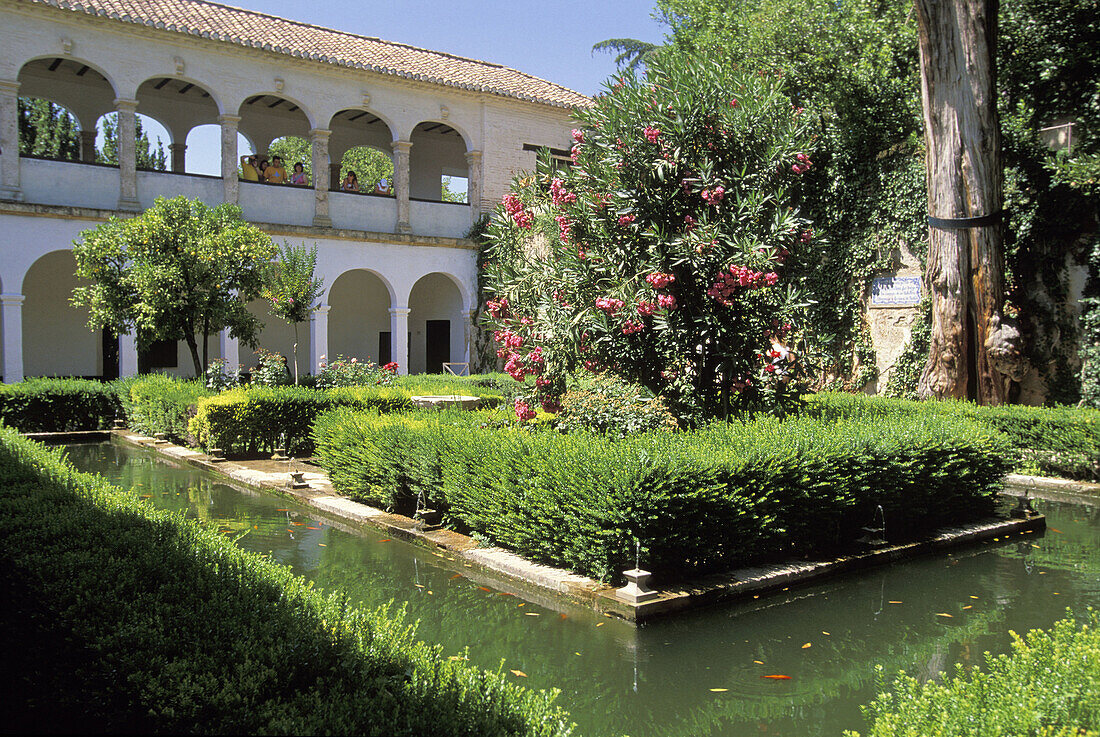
(179, 105)
(266, 116)
(438, 150)
(82, 88)
(56, 337)
(436, 298)
(353, 128)
(359, 320)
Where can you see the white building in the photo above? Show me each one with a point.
(400, 278)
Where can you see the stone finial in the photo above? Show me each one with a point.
(279, 84)
(366, 99)
(178, 61)
(66, 45)
(444, 112)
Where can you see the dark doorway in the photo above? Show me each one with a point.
(110, 355)
(385, 350)
(437, 349)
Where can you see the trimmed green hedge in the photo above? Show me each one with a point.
(122, 618)
(250, 419)
(1063, 441)
(157, 403)
(1049, 684)
(712, 499)
(59, 405)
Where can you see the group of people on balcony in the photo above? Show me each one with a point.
(259, 169)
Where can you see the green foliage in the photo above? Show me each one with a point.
(148, 157)
(609, 405)
(910, 364)
(1049, 684)
(49, 130)
(660, 257)
(178, 271)
(220, 375)
(1090, 334)
(148, 622)
(1062, 441)
(59, 405)
(271, 369)
(630, 53)
(161, 404)
(352, 372)
(292, 289)
(727, 495)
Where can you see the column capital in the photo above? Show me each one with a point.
(399, 311)
(124, 105)
(12, 299)
(319, 134)
(177, 146)
(10, 86)
(227, 119)
(322, 309)
(473, 157)
(401, 146)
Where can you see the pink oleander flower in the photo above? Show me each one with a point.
(689, 223)
(565, 228)
(559, 195)
(574, 153)
(652, 134)
(658, 280)
(807, 236)
(645, 309)
(523, 410)
(714, 196)
(630, 327)
(666, 301)
(390, 367)
(578, 135)
(551, 405)
(542, 382)
(610, 305)
(625, 220)
(733, 102)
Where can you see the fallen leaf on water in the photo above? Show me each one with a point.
(519, 673)
(457, 575)
(719, 690)
(942, 614)
(778, 678)
(808, 644)
(485, 588)
(759, 662)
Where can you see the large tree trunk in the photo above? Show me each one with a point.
(972, 349)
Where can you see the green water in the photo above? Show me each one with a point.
(657, 679)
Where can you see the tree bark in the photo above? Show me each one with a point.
(970, 350)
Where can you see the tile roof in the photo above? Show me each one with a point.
(258, 30)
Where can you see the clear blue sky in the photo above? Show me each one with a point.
(551, 39)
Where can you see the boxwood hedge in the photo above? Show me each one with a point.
(1048, 685)
(122, 618)
(1063, 441)
(716, 498)
(59, 405)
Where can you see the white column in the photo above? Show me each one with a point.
(127, 355)
(127, 154)
(230, 349)
(319, 137)
(179, 157)
(230, 183)
(469, 333)
(9, 141)
(318, 337)
(473, 184)
(11, 305)
(401, 187)
(399, 338)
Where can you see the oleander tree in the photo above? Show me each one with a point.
(179, 271)
(664, 254)
(292, 289)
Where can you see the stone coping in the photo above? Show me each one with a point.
(556, 588)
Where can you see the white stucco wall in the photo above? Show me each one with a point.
(69, 184)
(434, 297)
(56, 338)
(360, 306)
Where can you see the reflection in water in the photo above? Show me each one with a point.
(922, 616)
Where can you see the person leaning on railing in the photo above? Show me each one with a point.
(248, 168)
(298, 176)
(276, 172)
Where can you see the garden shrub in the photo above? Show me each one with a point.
(144, 621)
(1048, 685)
(59, 405)
(712, 499)
(353, 372)
(162, 404)
(606, 404)
(1062, 441)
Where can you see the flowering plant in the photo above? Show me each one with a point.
(353, 372)
(662, 256)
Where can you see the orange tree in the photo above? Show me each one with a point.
(668, 252)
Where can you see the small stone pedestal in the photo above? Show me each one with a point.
(216, 455)
(119, 424)
(297, 480)
(428, 519)
(160, 438)
(280, 455)
(636, 591)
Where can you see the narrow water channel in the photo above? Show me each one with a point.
(697, 674)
